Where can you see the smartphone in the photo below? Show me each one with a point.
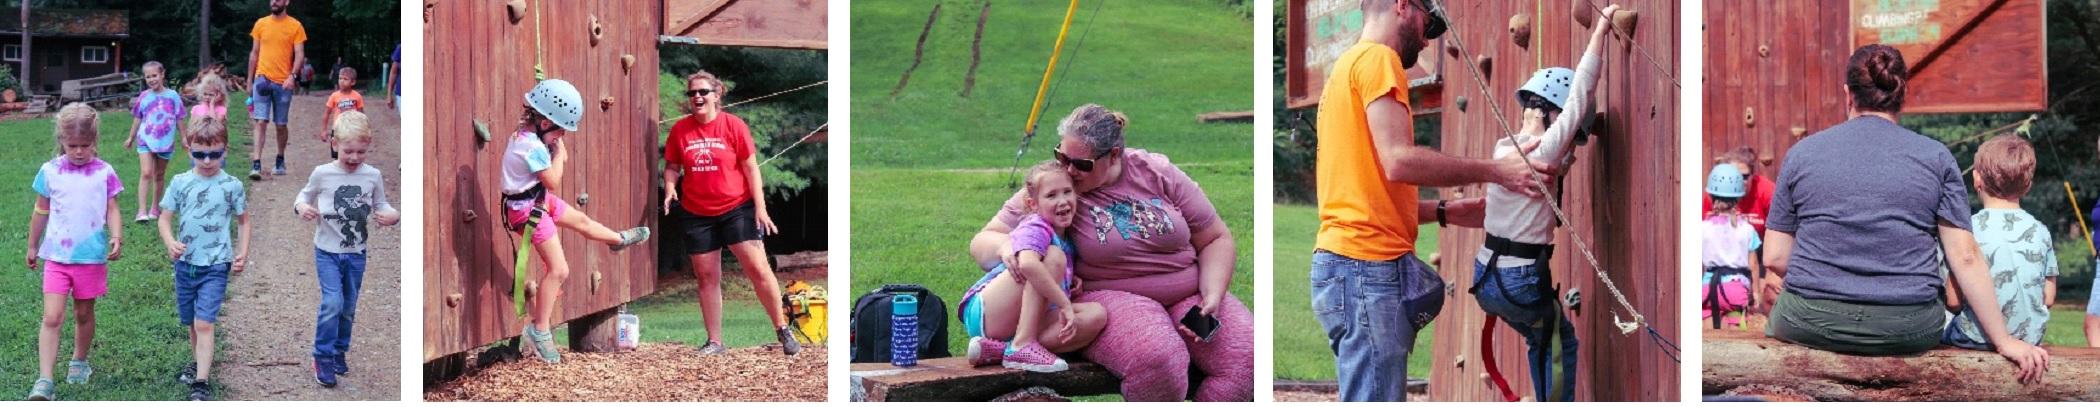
(1202, 325)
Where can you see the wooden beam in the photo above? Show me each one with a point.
(952, 379)
(1235, 117)
(1737, 362)
(1941, 48)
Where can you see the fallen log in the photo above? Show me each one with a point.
(1747, 363)
(953, 379)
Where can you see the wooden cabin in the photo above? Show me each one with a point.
(64, 44)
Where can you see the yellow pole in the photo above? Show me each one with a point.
(2081, 218)
(1035, 110)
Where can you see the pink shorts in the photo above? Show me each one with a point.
(554, 207)
(83, 281)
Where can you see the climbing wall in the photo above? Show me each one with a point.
(480, 66)
(1774, 69)
(1621, 196)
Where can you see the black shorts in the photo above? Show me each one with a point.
(710, 233)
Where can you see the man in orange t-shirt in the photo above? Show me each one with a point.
(280, 45)
(1366, 171)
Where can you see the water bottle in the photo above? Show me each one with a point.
(630, 330)
(904, 330)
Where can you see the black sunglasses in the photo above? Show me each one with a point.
(699, 92)
(1436, 26)
(212, 155)
(1083, 165)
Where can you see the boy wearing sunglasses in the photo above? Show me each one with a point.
(203, 201)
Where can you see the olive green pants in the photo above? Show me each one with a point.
(1858, 329)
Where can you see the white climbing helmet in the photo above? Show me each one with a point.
(558, 101)
(1551, 84)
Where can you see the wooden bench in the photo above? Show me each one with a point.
(952, 379)
(1740, 363)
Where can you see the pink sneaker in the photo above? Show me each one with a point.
(986, 351)
(1034, 358)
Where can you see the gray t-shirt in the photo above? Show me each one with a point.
(347, 200)
(1864, 200)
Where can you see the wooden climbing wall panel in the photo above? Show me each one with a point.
(1621, 196)
(480, 66)
(775, 24)
(1318, 31)
(1774, 70)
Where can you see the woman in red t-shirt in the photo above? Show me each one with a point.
(715, 201)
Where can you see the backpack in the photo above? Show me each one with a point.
(871, 324)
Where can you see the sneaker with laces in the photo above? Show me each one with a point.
(78, 372)
(543, 344)
(43, 390)
(254, 170)
(189, 373)
(279, 170)
(986, 351)
(788, 345)
(1034, 358)
(342, 365)
(631, 237)
(323, 373)
(713, 348)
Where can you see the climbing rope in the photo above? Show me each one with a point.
(1625, 327)
(1044, 89)
(798, 142)
(1637, 48)
(751, 100)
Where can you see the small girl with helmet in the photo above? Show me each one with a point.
(533, 164)
(1727, 238)
(1510, 273)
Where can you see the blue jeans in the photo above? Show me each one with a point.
(1536, 323)
(272, 102)
(1359, 304)
(342, 275)
(199, 290)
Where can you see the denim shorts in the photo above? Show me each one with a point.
(2092, 303)
(199, 290)
(272, 102)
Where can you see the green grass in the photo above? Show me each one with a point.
(672, 313)
(1300, 343)
(138, 345)
(930, 166)
(2066, 327)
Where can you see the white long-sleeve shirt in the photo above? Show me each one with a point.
(1514, 216)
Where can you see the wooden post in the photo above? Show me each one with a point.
(976, 45)
(203, 35)
(1747, 362)
(27, 61)
(597, 332)
(917, 52)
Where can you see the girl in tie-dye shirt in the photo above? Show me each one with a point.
(156, 120)
(74, 232)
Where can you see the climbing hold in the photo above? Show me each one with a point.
(1461, 108)
(1749, 117)
(583, 199)
(1451, 49)
(1486, 378)
(454, 299)
(1800, 131)
(1486, 64)
(429, 6)
(468, 216)
(1583, 12)
(1461, 362)
(1624, 21)
(1435, 257)
(605, 103)
(532, 289)
(597, 31)
(596, 277)
(517, 10)
(1520, 30)
(1764, 50)
(626, 62)
(481, 131)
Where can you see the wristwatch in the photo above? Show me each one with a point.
(1440, 212)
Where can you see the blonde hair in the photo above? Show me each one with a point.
(1047, 167)
(351, 126)
(2006, 166)
(211, 83)
(77, 121)
(205, 130)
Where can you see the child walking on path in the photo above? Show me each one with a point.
(157, 121)
(344, 197)
(1510, 274)
(1007, 312)
(206, 203)
(1728, 238)
(344, 100)
(2017, 248)
(75, 232)
(532, 173)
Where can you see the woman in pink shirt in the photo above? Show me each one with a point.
(1151, 248)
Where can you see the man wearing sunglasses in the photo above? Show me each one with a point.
(1367, 172)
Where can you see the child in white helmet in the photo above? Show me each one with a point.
(533, 164)
(1727, 239)
(1510, 275)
